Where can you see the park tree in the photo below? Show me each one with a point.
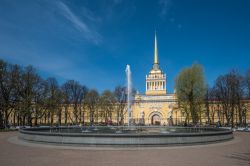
(107, 105)
(26, 88)
(120, 96)
(215, 106)
(230, 93)
(92, 101)
(84, 91)
(247, 81)
(41, 94)
(77, 93)
(208, 101)
(54, 100)
(190, 90)
(74, 94)
(1, 111)
(212, 105)
(9, 76)
(66, 100)
(240, 96)
(247, 94)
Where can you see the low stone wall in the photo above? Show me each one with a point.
(125, 139)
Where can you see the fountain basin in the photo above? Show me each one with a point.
(142, 136)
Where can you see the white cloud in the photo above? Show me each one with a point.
(164, 7)
(89, 33)
(90, 15)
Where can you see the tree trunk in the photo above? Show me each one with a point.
(91, 117)
(232, 116)
(75, 114)
(240, 114)
(122, 117)
(245, 117)
(59, 116)
(83, 116)
(36, 118)
(66, 115)
(97, 116)
(1, 121)
(29, 120)
(80, 112)
(14, 119)
(18, 119)
(51, 119)
(45, 118)
(6, 118)
(117, 116)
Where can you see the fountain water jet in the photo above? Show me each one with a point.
(129, 90)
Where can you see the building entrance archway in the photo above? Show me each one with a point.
(156, 120)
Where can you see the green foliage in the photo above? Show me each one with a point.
(190, 90)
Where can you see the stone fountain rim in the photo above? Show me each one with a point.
(214, 132)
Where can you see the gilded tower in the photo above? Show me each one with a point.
(156, 79)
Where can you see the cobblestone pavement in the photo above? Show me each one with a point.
(230, 153)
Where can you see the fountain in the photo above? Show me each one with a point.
(124, 136)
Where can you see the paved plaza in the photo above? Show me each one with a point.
(18, 153)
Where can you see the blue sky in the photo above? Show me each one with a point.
(91, 41)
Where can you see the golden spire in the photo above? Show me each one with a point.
(156, 51)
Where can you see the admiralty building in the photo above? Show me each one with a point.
(156, 106)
